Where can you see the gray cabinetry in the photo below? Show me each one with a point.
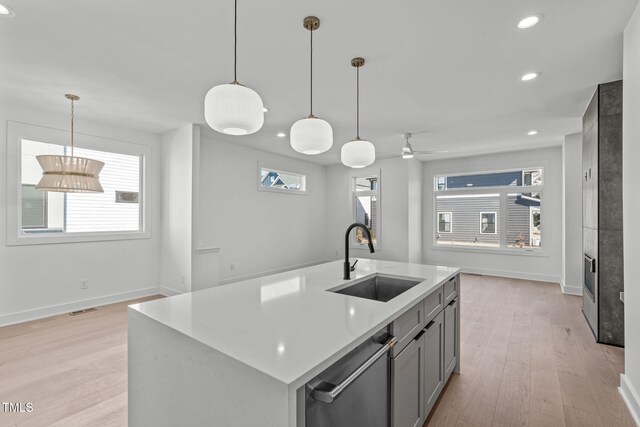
(451, 334)
(407, 388)
(433, 361)
(407, 326)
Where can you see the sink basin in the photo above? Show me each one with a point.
(378, 288)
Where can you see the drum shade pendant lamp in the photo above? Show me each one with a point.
(70, 174)
(358, 153)
(311, 135)
(232, 108)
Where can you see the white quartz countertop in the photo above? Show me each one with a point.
(287, 325)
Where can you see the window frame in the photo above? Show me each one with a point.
(355, 193)
(16, 132)
(495, 222)
(450, 222)
(501, 221)
(281, 190)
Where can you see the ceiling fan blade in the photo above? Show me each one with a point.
(430, 151)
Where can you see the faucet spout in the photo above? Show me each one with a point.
(347, 264)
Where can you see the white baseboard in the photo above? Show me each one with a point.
(39, 313)
(630, 397)
(512, 274)
(168, 292)
(570, 289)
(270, 272)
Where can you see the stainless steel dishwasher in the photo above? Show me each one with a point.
(355, 391)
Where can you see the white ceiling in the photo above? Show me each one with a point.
(447, 69)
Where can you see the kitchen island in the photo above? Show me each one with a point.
(241, 354)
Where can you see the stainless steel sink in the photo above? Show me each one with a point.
(378, 288)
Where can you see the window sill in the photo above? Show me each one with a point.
(493, 251)
(50, 239)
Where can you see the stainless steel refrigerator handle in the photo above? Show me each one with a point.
(330, 395)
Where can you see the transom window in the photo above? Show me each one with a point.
(276, 180)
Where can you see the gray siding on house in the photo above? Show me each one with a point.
(465, 221)
(465, 226)
(495, 179)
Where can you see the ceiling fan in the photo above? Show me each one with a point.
(408, 151)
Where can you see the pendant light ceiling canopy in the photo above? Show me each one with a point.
(311, 135)
(70, 174)
(232, 108)
(358, 153)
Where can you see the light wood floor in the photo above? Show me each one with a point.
(528, 358)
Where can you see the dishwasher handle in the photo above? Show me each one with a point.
(328, 396)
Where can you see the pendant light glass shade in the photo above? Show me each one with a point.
(311, 136)
(70, 174)
(234, 109)
(358, 153)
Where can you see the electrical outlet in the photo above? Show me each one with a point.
(84, 284)
(182, 279)
(232, 267)
(337, 254)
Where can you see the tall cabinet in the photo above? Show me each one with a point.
(603, 274)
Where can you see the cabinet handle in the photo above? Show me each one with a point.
(420, 334)
(452, 302)
(430, 324)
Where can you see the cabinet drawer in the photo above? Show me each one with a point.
(450, 289)
(407, 326)
(433, 305)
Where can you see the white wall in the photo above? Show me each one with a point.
(39, 280)
(257, 231)
(509, 264)
(414, 200)
(572, 214)
(177, 179)
(394, 215)
(630, 381)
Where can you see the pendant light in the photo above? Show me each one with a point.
(358, 153)
(232, 108)
(70, 174)
(311, 135)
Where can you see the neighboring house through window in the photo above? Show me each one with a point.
(444, 222)
(366, 207)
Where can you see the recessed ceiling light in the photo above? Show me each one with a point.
(281, 134)
(532, 132)
(529, 21)
(529, 76)
(6, 11)
(265, 109)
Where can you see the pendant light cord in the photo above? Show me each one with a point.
(357, 102)
(235, 42)
(72, 119)
(311, 78)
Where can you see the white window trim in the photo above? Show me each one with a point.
(450, 222)
(503, 192)
(16, 132)
(495, 222)
(281, 190)
(378, 193)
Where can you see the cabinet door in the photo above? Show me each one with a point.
(433, 361)
(407, 389)
(450, 338)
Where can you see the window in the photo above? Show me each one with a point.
(366, 208)
(444, 222)
(496, 210)
(275, 180)
(487, 223)
(41, 217)
(53, 212)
